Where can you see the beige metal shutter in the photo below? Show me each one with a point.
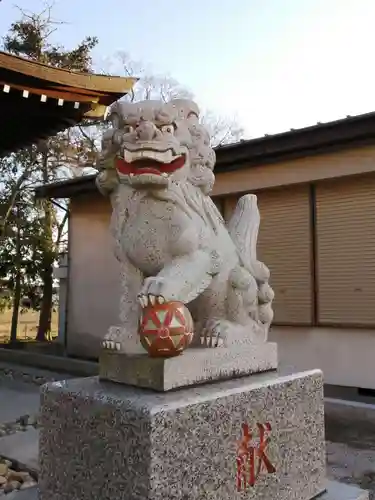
(345, 211)
(284, 245)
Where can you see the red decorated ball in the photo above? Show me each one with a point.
(166, 329)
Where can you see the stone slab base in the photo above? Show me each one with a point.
(104, 441)
(194, 366)
(339, 491)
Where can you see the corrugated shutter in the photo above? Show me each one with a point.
(284, 245)
(345, 211)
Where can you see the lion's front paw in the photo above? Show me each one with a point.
(153, 291)
(111, 340)
(214, 333)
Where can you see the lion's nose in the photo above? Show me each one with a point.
(146, 131)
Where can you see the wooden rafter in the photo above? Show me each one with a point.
(43, 72)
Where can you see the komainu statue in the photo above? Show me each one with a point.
(173, 245)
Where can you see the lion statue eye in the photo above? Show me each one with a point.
(128, 129)
(167, 129)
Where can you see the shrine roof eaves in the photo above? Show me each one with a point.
(40, 100)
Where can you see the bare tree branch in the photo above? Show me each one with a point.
(153, 86)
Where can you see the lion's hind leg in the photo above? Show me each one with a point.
(238, 322)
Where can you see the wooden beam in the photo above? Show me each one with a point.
(53, 94)
(101, 83)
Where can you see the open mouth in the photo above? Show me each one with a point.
(146, 165)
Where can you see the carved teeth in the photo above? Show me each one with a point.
(160, 156)
(152, 299)
(128, 156)
(150, 154)
(161, 299)
(168, 156)
(118, 346)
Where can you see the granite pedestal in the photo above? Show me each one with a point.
(105, 441)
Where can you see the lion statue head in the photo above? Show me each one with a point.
(153, 145)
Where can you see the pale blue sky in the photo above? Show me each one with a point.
(275, 64)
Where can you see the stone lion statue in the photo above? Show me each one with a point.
(157, 167)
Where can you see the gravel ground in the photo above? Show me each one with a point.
(12, 479)
(24, 375)
(12, 476)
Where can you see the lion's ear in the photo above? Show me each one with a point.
(114, 116)
(184, 108)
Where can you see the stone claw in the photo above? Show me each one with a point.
(210, 341)
(112, 340)
(150, 299)
(213, 335)
(154, 290)
(142, 299)
(110, 344)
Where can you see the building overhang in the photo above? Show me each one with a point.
(37, 101)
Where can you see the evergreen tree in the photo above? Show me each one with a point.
(33, 234)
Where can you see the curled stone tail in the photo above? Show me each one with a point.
(243, 229)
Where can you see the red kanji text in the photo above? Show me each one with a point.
(252, 456)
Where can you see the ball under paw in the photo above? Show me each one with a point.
(166, 329)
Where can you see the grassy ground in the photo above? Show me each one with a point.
(27, 325)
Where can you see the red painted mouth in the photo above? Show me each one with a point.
(148, 166)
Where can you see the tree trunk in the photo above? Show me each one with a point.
(17, 284)
(44, 326)
(45, 315)
(16, 308)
